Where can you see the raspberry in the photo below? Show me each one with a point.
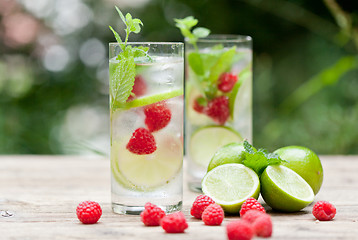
(197, 106)
(151, 215)
(324, 211)
(88, 212)
(213, 214)
(251, 215)
(139, 87)
(157, 116)
(142, 142)
(262, 226)
(251, 203)
(218, 109)
(226, 82)
(199, 205)
(239, 230)
(174, 223)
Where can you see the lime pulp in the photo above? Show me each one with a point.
(207, 140)
(285, 190)
(145, 172)
(229, 185)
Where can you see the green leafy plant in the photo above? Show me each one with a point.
(123, 75)
(186, 24)
(259, 159)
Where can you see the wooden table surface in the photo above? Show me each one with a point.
(39, 195)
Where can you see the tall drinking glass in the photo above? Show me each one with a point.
(218, 98)
(147, 129)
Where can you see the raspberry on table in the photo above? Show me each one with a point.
(213, 215)
(251, 215)
(88, 212)
(262, 226)
(239, 230)
(323, 211)
(139, 87)
(199, 205)
(157, 116)
(152, 215)
(142, 142)
(174, 223)
(226, 82)
(218, 109)
(251, 203)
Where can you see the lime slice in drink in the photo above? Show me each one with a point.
(240, 97)
(145, 172)
(149, 99)
(229, 185)
(285, 190)
(229, 153)
(207, 140)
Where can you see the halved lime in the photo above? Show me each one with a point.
(229, 153)
(143, 172)
(146, 100)
(229, 185)
(207, 140)
(285, 190)
(304, 162)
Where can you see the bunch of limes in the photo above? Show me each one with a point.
(288, 186)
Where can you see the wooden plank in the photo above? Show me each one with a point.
(42, 192)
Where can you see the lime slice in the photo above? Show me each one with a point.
(229, 185)
(207, 140)
(146, 100)
(240, 97)
(145, 172)
(230, 153)
(285, 190)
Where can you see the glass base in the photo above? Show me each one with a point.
(136, 210)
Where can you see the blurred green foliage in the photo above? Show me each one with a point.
(54, 69)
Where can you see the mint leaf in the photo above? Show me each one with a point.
(258, 160)
(201, 32)
(196, 63)
(123, 73)
(222, 65)
(187, 22)
(122, 80)
(116, 35)
(120, 14)
(248, 147)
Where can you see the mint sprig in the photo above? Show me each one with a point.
(123, 76)
(259, 159)
(186, 24)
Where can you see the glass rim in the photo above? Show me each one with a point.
(149, 43)
(225, 38)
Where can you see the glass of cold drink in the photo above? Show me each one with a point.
(146, 126)
(218, 98)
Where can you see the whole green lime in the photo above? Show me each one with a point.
(305, 163)
(229, 153)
